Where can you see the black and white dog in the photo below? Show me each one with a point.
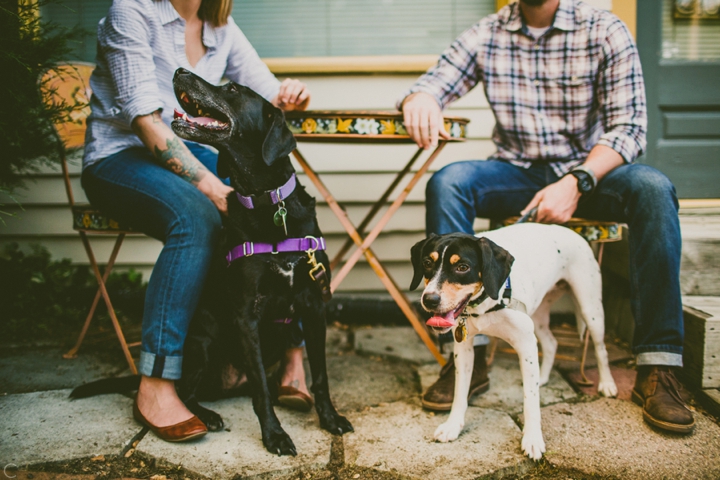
(466, 278)
(276, 271)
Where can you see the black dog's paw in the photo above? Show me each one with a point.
(336, 424)
(279, 443)
(212, 420)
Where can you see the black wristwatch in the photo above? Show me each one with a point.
(586, 180)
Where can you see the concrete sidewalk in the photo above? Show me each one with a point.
(376, 378)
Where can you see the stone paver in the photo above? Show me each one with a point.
(240, 452)
(399, 342)
(624, 379)
(49, 371)
(609, 437)
(47, 426)
(357, 381)
(506, 392)
(399, 438)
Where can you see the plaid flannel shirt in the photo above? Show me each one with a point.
(555, 97)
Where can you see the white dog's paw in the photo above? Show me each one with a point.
(533, 445)
(544, 381)
(448, 431)
(608, 388)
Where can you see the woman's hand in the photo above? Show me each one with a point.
(216, 191)
(423, 119)
(293, 95)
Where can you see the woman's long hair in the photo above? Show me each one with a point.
(215, 11)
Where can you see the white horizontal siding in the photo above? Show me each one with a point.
(356, 174)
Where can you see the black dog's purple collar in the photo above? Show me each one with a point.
(275, 196)
(307, 244)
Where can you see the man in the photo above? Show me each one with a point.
(565, 84)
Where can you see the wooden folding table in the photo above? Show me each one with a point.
(364, 127)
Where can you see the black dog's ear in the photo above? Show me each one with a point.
(279, 141)
(416, 257)
(496, 263)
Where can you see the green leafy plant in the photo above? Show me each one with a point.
(41, 297)
(29, 47)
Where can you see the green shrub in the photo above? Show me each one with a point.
(29, 46)
(43, 298)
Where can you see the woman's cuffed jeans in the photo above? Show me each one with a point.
(132, 188)
(635, 194)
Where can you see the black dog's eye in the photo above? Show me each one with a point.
(428, 264)
(462, 268)
(232, 87)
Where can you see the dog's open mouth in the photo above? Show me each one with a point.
(200, 117)
(447, 320)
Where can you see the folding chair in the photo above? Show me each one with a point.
(69, 84)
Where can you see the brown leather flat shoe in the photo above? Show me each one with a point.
(180, 432)
(293, 398)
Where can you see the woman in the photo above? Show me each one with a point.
(139, 172)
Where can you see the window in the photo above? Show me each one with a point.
(318, 28)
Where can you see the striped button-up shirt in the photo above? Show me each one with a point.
(555, 97)
(140, 45)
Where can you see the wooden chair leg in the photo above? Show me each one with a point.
(72, 353)
(108, 303)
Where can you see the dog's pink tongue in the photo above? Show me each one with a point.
(442, 322)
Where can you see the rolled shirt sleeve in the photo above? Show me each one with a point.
(124, 39)
(245, 67)
(621, 95)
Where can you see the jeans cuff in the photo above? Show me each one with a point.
(660, 358)
(159, 366)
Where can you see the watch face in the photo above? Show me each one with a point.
(585, 184)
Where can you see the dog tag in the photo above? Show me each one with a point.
(461, 332)
(279, 217)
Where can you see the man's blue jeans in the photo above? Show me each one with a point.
(135, 190)
(635, 194)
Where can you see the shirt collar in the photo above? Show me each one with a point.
(564, 17)
(166, 11)
(168, 14)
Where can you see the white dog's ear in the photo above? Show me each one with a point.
(496, 264)
(416, 257)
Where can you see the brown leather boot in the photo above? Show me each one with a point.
(660, 395)
(439, 396)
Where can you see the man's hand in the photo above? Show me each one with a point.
(216, 191)
(423, 119)
(557, 202)
(293, 95)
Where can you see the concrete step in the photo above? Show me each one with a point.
(701, 357)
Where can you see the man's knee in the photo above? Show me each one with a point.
(648, 183)
(200, 222)
(451, 178)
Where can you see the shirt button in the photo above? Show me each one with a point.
(537, 83)
(537, 47)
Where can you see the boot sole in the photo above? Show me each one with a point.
(672, 427)
(445, 407)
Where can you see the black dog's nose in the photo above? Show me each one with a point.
(431, 300)
(182, 71)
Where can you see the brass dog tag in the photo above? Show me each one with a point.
(461, 331)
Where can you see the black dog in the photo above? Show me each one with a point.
(235, 327)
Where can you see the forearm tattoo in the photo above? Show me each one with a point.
(179, 159)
